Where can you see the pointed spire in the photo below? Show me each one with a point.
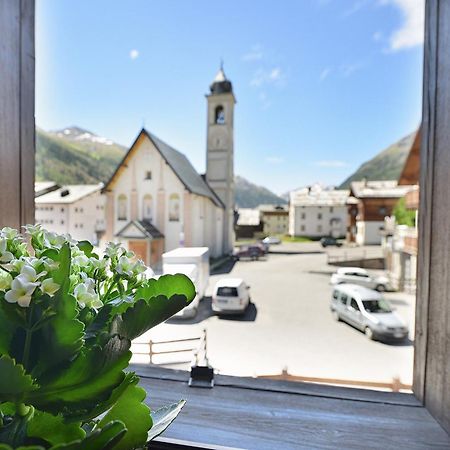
(220, 83)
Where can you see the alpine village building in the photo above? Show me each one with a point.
(157, 201)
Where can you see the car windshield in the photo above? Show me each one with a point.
(376, 306)
(227, 292)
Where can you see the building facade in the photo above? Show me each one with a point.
(78, 210)
(275, 219)
(368, 205)
(315, 212)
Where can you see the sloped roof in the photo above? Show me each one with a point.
(411, 169)
(69, 193)
(144, 226)
(179, 163)
(379, 189)
(43, 187)
(319, 197)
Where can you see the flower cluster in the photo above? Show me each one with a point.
(27, 267)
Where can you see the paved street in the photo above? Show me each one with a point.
(289, 325)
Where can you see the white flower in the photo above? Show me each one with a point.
(53, 239)
(29, 274)
(21, 292)
(100, 264)
(125, 266)
(32, 229)
(139, 267)
(49, 287)
(49, 264)
(5, 255)
(113, 250)
(86, 295)
(81, 260)
(5, 280)
(9, 233)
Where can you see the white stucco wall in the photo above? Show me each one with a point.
(203, 214)
(368, 233)
(81, 219)
(304, 220)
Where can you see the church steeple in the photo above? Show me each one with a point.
(220, 152)
(221, 84)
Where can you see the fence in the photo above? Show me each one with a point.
(395, 385)
(196, 346)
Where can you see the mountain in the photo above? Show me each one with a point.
(249, 195)
(75, 156)
(387, 165)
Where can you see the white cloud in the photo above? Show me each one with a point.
(411, 31)
(272, 76)
(349, 69)
(255, 54)
(324, 74)
(274, 159)
(357, 5)
(264, 100)
(331, 163)
(377, 36)
(134, 53)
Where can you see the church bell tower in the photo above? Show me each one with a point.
(219, 153)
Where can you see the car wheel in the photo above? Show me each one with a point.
(381, 288)
(369, 333)
(336, 316)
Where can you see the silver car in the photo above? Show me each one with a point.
(368, 311)
(357, 275)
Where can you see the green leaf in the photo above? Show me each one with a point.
(8, 329)
(14, 382)
(53, 429)
(167, 285)
(87, 381)
(85, 416)
(131, 410)
(61, 338)
(146, 314)
(163, 417)
(102, 439)
(87, 248)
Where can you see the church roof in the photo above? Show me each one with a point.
(220, 84)
(179, 163)
(145, 227)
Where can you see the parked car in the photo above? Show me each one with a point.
(356, 275)
(368, 311)
(330, 241)
(249, 251)
(271, 240)
(230, 296)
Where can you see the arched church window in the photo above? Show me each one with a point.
(219, 115)
(147, 207)
(122, 206)
(174, 208)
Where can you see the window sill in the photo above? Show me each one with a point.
(255, 413)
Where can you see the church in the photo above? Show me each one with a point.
(156, 201)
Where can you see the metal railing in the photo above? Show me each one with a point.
(196, 347)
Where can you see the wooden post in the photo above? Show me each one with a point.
(17, 127)
(432, 337)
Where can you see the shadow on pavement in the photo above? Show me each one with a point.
(204, 312)
(405, 343)
(397, 301)
(249, 314)
(226, 267)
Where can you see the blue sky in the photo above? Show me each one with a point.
(321, 85)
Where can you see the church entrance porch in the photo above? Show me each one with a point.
(145, 240)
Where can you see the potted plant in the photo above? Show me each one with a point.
(67, 319)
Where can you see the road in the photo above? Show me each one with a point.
(289, 325)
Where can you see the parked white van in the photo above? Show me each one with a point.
(368, 311)
(230, 296)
